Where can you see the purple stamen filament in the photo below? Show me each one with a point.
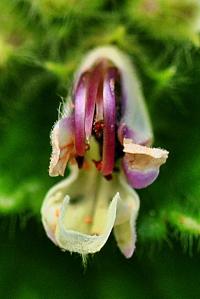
(79, 103)
(109, 122)
(92, 91)
(95, 114)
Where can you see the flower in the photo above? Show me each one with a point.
(104, 134)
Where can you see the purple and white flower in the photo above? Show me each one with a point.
(104, 134)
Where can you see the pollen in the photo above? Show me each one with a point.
(98, 127)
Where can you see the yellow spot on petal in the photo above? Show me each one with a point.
(57, 212)
(88, 219)
(86, 165)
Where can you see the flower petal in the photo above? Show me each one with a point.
(52, 203)
(126, 132)
(75, 241)
(141, 163)
(127, 211)
(62, 140)
(78, 214)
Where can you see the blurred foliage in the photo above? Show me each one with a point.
(38, 270)
(41, 45)
(168, 19)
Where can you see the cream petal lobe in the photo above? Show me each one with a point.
(124, 229)
(75, 241)
(78, 214)
(52, 204)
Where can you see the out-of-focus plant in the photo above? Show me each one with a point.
(167, 19)
(41, 45)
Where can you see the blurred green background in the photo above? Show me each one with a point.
(41, 44)
(33, 268)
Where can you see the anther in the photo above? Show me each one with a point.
(98, 127)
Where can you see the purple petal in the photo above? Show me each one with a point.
(139, 179)
(126, 132)
(80, 103)
(109, 122)
(93, 85)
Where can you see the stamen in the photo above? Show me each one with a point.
(93, 85)
(95, 113)
(80, 103)
(98, 164)
(109, 121)
(99, 102)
